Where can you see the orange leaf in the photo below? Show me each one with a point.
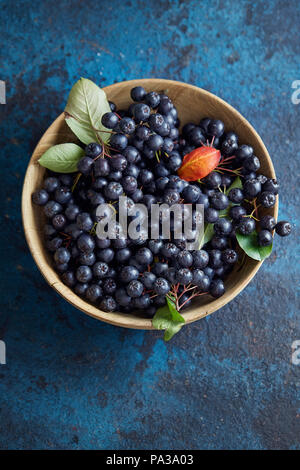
(199, 163)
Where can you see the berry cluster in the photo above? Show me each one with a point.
(145, 151)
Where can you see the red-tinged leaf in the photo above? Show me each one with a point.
(199, 163)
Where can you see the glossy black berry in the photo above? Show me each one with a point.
(40, 197)
(110, 120)
(161, 183)
(169, 250)
(52, 208)
(174, 162)
(191, 193)
(141, 111)
(215, 259)
(171, 196)
(161, 286)
(217, 288)
(122, 297)
(108, 304)
(129, 184)
(54, 244)
(80, 288)
(99, 183)
(131, 154)
(215, 128)
(267, 222)
(203, 199)
(213, 180)
(85, 165)
(200, 259)
(118, 162)
(84, 221)
(93, 293)
(69, 278)
(152, 99)
(184, 276)
(219, 200)
(51, 184)
(142, 302)
(109, 286)
(145, 176)
(283, 228)
(101, 167)
(72, 212)
(211, 215)
(87, 259)
(138, 93)
(252, 163)
(100, 269)
(84, 274)
(93, 150)
(134, 288)
(103, 243)
(264, 238)
(127, 125)
(144, 256)
(118, 141)
(123, 255)
(155, 246)
(155, 142)
(112, 106)
(62, 195)
(229, 143)
(244, 151)
(165, 105)
(229, 256)
(246, 226)
(196, 137)
(156, 121)
(267, 199)
(187, 129)
(236, 195)
(129, 273)
(222, 227)
(148, 279)
(113, 191)
(106, 255)
(185, 259)
(236, 212)
(59, 221)
(62, 255)
(218, 242)
(271, 185)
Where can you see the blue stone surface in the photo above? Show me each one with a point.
(225, 382)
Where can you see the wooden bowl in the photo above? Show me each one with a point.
(192, 103)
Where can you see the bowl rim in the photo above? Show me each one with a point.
(129, 320)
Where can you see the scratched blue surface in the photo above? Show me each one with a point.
(226, 382)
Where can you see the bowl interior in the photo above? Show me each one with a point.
(193, 104)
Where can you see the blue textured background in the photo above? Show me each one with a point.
(224, 382)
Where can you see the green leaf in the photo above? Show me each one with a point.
(85, 107)
(84, 133)
(237, 183)
(62, 158)
(249, 244)
(169, 319)
(207, 235)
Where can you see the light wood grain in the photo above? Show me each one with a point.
(192, 103)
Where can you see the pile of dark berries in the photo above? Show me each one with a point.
(141, 161)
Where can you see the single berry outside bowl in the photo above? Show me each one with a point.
(193, 103)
